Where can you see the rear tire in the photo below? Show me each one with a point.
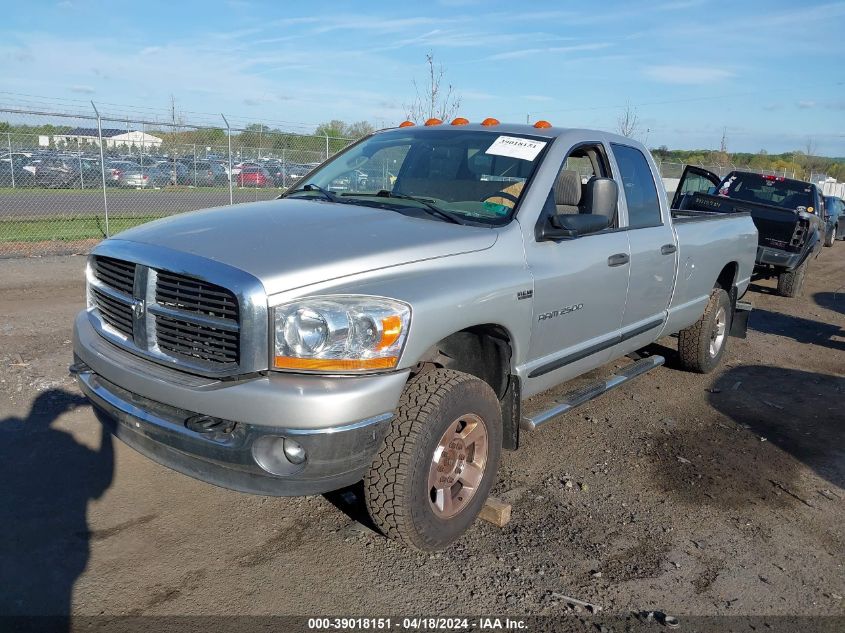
(702, 345)
(831, 238)
(791, 283)
(438, 462)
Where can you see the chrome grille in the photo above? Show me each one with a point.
(118, 274)
(193, 295)
(177, 336)
(165, 315)
(114, 312)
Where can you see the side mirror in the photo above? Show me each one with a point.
(567, 227)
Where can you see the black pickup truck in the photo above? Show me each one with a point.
(787, 213)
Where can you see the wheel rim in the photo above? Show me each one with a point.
(457, 466)
(717, 336)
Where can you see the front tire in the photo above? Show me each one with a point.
(438, 462)
(702, 345)
(831, 237)
(791, 283)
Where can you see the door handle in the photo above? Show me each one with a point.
(620, 259)
(668, 249)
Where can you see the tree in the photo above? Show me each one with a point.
(340, 129)
(433, 100)
(628, 122)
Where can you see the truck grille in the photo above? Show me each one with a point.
(118, 274)
(177, 336)
(193, 295)
(114, 312)
(166, 314)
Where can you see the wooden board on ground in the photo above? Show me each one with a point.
(496, 512)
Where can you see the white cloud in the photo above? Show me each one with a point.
(806, 104)
(692, 75)
(83, 90)
(525, 52)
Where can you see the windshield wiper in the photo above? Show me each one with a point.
(327, 195)
(430, 208)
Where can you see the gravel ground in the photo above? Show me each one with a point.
(694, 495)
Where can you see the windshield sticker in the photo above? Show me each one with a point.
(515, 147)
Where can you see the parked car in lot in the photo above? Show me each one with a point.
(177, 173)
(14, 173)
(67, 173)
(115, 169)
(834, 220)
(204, 173)
(299, 345)
(148, 176)
(788, 214)
(254, 177)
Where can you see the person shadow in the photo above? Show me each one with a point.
(47, 480)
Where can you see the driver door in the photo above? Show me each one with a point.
(694, 180)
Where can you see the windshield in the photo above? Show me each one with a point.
(772, 190)
(476, 175)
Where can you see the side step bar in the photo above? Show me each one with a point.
(584, 394)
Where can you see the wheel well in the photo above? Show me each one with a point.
(483, 351)
(727, 277)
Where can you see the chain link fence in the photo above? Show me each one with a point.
(68, 181)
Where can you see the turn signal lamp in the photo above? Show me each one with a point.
(489, 121)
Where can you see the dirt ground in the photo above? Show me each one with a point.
(693, 495)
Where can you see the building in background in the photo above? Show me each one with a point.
(113, 138)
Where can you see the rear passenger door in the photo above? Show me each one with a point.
(651, 242)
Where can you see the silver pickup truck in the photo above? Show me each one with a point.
(385, 318)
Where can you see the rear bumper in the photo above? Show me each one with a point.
(776, 257)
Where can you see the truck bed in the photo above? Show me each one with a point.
(778, 228)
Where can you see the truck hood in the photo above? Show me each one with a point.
(289, 243)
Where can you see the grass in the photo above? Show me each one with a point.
(66, 229)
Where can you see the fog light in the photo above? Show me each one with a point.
(294, 452)
(278, 455)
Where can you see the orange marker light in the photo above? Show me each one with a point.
(406, 124)
(331, 364)
(490, 121)
(434, 122)
(542, 124)
(460, 121)
(391, 329)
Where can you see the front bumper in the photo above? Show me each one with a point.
(340, 421)
(776, 257)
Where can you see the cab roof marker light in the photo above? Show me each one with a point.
(490, 121)
(542, 125)
(460, 121)
(407, 124)
(434, 122)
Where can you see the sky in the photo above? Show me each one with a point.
(766, 74)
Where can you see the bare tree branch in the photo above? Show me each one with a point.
(628, 122)
(430, 101)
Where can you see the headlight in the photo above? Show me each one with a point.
(348, 333)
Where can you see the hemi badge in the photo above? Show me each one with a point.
(524, 294)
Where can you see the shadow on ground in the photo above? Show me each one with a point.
(48, 478)
(797, 328)
(800, 412)
(831, 300)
